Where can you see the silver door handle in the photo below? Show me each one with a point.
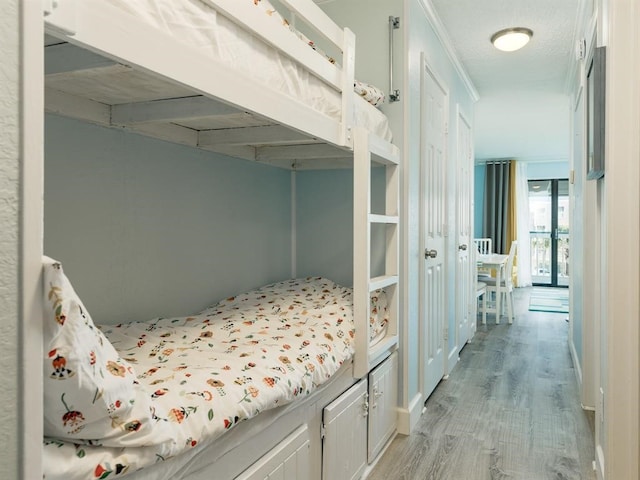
(430, 253)
(462, 247)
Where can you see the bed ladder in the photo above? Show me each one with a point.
(370, 152)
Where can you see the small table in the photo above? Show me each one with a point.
(497, 262)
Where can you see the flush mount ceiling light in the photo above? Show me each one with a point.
(511, 39)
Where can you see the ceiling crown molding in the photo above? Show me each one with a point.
(443, 36)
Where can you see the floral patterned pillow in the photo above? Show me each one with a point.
(378, 316)
(371, 93)
(90, 393)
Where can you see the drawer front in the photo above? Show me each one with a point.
(289, 460)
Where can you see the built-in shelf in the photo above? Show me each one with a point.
(383, 281)
(383, 219)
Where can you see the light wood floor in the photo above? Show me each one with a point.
(509, 410)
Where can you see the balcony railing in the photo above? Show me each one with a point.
(541, 257)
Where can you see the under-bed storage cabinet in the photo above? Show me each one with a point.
(289, 460)
(358, 424)
(383, 399)
(344, 451)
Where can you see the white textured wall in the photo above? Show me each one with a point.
(9, 237)
(147, 228)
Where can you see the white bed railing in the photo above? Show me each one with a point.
(111, 32)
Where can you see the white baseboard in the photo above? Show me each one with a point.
(577, 366)
(599, 463)
(409, 417)
(452, 359)
(372, 465)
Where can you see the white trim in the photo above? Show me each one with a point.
(30, 234)
(578, 368)
(372, 465)
(408, 417)
(599, 463)
(294, 226)
(620, 281)
(447, 46)
(576, 63)
(452, 359)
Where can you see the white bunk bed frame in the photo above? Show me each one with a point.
(296, 137)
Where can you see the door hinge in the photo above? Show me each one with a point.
(323, 431)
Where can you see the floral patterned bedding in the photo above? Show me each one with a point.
(196, 376)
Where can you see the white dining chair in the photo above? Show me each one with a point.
(481, 293)
(481, 290)
(506, 284)
(484, 246)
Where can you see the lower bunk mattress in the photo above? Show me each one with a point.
(119, 398)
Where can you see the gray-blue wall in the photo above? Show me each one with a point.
(324, 224)
(147, 228)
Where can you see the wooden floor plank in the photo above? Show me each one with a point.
(509, 410)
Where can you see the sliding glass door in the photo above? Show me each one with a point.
(549, 231)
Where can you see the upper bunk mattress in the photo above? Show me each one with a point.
(197, 24)
(128, 396)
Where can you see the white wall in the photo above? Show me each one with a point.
(540, 131)
(548, 170)
(9, 237)
(146, 228)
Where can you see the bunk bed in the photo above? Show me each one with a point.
(149, 67)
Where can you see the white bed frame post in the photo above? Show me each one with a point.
(368, 149)
(348, 79)
(30, 407)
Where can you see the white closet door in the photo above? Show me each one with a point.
(465, 284)
(433, 274)
(344, 452)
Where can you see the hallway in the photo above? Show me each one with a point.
(509, 410)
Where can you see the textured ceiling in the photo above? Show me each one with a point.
(523, 111)
(541, 65)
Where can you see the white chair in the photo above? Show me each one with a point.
(481, 291)
(506, 284)
(484, 246)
